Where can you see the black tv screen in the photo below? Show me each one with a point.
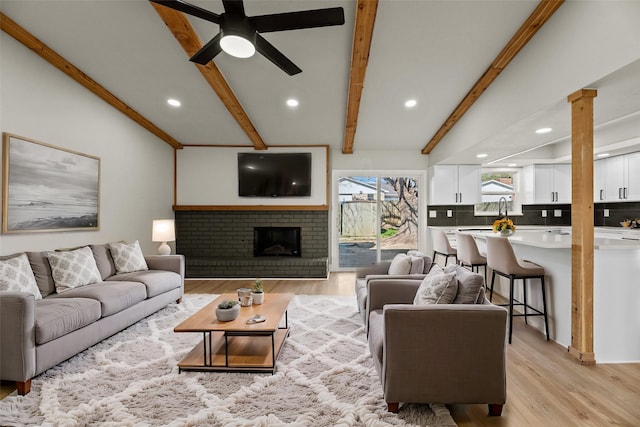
(274, 174)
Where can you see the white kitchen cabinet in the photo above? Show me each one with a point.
(455, 185)
(551, 184)
(599, 181)
(622, 178)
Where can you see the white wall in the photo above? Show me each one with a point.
(209, 176)
(39, 102)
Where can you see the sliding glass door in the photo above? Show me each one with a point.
(377, 218)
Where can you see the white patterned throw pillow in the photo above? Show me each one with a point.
(128, 257)
(437, 289)
(16, 275)
(72, 269)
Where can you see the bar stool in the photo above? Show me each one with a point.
(469, 255)
(441, 246)
(503, 261)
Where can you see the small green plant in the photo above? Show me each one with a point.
(225, 304)
(258, 287)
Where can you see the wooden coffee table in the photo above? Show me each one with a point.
(236, 346)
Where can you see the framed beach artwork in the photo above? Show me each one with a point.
(48, 188)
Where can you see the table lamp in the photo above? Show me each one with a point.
(163, 231)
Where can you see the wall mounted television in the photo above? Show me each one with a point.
(274, 174)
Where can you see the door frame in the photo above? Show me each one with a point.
(421, 176)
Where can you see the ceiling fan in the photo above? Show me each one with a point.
(240, 36)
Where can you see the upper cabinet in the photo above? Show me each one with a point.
(617, 179)
(455, 185)
(547, 184)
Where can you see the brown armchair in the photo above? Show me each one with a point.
(438, 353)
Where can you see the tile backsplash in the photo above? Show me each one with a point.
(532, 215)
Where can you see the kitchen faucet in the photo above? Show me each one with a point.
(500, 201)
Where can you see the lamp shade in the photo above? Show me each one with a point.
(163, 230)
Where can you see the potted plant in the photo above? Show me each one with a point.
(227, 310)
(258, 292)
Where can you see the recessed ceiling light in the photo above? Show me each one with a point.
(482, 155)
(604, 155)
(543, 130)
(511, 165)
(174, 102)
(292, 102)
(411, 103)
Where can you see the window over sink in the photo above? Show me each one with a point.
(497, 183)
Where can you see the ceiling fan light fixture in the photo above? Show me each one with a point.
(237, 46)
(238, 36)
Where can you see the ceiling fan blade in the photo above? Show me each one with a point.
(299, 20)
(189, 9)
(233, 6)
(275, 56)
(208, 51)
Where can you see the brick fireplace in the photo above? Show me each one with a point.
(221, 243)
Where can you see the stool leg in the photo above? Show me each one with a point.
(510, 307)
(493, 279)
(524, 292)
(544, 307)
(484, 267)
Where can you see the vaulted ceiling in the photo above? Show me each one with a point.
(430, 51)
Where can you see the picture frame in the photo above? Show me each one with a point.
(47, 188)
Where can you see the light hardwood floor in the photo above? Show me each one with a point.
(545, 386)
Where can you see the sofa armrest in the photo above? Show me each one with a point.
(378, 268)
(391, 291)
(17, 336)
(173, 263)
(450, 353)
(420, 276)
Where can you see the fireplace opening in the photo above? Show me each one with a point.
(276, 241)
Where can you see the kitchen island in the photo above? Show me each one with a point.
(616, 282)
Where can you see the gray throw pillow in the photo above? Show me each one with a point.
(469, 284)
(437, 289)
(16, 275)
(417, 265)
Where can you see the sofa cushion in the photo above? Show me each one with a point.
(56, 317)
(376, 334)
(469, 284)
(400, 265)
(156, 281)
(437, 289)
(42, 272)
(113, 296)
(16, 275)
(104, 260)
(72, 269)
(128, 257)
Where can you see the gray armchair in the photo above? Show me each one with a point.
(380, 271)
(438, 353)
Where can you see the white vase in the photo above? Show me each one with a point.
(258, 297)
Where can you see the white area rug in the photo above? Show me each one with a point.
(325, 377)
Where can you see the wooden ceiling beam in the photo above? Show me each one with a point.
(23, 36)
(535, 21)
(362, 34)
(182, 30)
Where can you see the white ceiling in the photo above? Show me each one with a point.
(432, 51)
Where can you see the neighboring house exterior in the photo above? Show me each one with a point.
(352, 189)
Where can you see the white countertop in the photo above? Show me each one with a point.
(605, 238)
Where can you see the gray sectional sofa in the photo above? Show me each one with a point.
(37, 334)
